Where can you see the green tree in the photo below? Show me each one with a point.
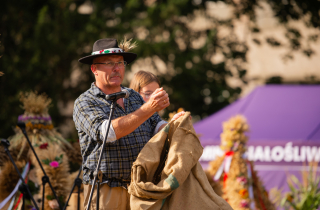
(42, 40)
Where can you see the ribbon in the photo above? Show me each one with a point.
(107, 51)
(21, 195)
(225, 167)
(251, 196)
(12, 202)
(24, 174)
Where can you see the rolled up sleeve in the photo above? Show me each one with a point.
(111, 135)
(157, 129)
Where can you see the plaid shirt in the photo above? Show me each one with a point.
(91, 109)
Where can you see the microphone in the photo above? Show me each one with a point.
(115, 96)
(5, 142)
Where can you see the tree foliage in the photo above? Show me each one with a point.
(41, 42)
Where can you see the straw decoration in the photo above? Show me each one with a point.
(55, 163)
(126, 45)
(238, 181)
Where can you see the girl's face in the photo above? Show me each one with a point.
(147, 90)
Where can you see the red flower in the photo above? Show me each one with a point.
(43, 146)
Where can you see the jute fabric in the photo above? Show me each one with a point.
(183, 184)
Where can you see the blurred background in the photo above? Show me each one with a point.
(206, 53)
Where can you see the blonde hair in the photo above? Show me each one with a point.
(141, 79)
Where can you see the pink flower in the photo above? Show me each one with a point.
(54, 164)
(53, 204)
(242, 180)
(244, 203)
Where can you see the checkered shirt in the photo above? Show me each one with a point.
(91, 109)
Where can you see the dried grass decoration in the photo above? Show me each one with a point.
(126, 45)
(239, 183)
(38, 122)
(49, 145)
(56, 166)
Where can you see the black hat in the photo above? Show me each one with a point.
(107, 47)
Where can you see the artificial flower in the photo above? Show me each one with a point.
(242, 180)
(244, 193)
(54, 164)
(244, 204)
(53, 204)
(43, 146)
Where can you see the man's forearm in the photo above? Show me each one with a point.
(127, 124)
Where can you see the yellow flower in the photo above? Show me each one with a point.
(226, 145)
(38, 126)
(244, 193)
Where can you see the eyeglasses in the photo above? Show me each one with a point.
(112, 64)
(146, 94)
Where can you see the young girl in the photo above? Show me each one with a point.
(145, 83)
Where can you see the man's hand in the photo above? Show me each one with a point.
(176, 116)
(126, 124)
(158, 100)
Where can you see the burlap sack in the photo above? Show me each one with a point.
(73, 202)
(183, 184)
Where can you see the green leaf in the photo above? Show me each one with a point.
(296, 180)
(302, 203)
(46, 161)
(294, 206)
(293, 190)
(283, 201)
(49, 197)
(61, 200)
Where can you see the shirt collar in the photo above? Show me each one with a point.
(96, 91)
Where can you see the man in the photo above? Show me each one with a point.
(133, 124)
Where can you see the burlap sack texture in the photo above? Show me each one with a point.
(183, 184)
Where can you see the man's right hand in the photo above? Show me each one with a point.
(126, 124)
(158, 100)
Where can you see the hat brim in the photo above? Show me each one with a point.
(127, 56)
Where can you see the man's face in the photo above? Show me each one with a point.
(108, 77)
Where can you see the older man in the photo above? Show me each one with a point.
(133, 124)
